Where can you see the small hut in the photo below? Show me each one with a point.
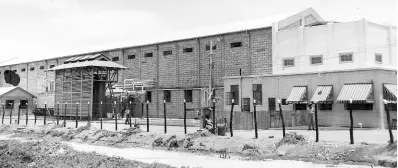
(14, 97)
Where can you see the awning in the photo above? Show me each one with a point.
(390, 92)
(94, 63)
(358, 93)
(298, 95)
(323, 94)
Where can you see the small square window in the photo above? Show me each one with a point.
(317, 60)
(300, 106)
(325, 106)
(236, 44)
(188, 95)
(378, 58)
(288, 62)
(131, 57)
(346, 57)
(168, 52)
(167, 95)
(9, 104)
(42, 67)
(32, 68)
(271, 104)
(23, 70)
(14, 70)
(115, 59)
(24, 104)
(149, 54)
(52, 66)
(187, 50)
(148, 96)
(208, 47)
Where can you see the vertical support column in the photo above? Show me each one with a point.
(255, 119)
(185, 117)
(19, 111)
(4, 111)
(45, 113)
(77, 112)
(316, 123)
(231, 118)
(281, 115)
(66, 105)
(351, 125)
(58, 113)
(164, 115)
(101, 115)
(147, 116)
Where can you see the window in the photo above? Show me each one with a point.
(392, 106)
(115, 58)
(52, 66)
(284, 102)
(258, 94)
(130, 56)
(208, 47)
(187, 50)
(167, 95)
(271, 104)
(32, 68)
(188, 95)
(42, 67)
(367, 106)
(51, 86)
(149, 54)
(246, 104)
(168, 52)
(317, 60)
(235, 91)
(345, 57)
(9, 104)
(24, 104)
(23, 70)
(300, 106)
(236, 44)
(14, 70)
(325, 106)
(148, 97)
(378, 58)
(288, 62)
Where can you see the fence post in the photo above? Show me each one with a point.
(101, 115)
(114, 112)
(88, 111)
(35, 114)
(66, 105)
(4, 111)
(231, 118)
(147, 115)
(58, 113)
(388, 121)
(11, 113)
(316, 123)
(45, 113)
(142, 109)
(281, 115)
(255, 119)
(164, 111)
(27, 112)
(185, 117)
(77, 112)
(130, 113)
(214, 115)
(352, 125)
(19, 111)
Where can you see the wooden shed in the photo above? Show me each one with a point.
(12, 97)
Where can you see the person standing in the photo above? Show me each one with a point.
(128, 118)
(311, 117)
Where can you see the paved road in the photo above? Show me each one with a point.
(369, 136)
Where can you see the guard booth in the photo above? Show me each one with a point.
(81, 83)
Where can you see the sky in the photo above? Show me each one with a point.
(40, 29)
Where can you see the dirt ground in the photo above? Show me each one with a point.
(292, 147)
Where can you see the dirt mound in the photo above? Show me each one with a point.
(157, 142)
(132, 131)
(292, 138)
(86, 127)
(198, 134)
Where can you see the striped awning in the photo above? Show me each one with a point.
(358, 93)
(298, 95)
(323, 94)
(390, 92)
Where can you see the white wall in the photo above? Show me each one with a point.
(362, 38)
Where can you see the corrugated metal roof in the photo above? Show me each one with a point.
(323, 93)
(391, 92)
(94, 63)
(298, 95)
(358, 93)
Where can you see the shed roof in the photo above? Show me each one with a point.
(94, 63)
(5, 90)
